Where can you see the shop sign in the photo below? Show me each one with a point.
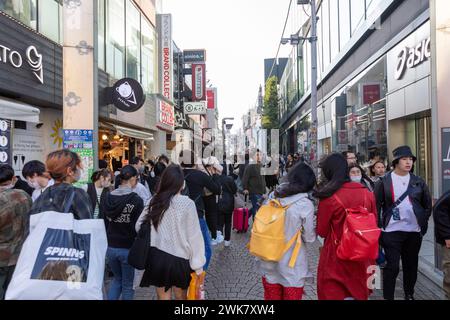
(181, 122)
(445, 137)
(128, 95)
(409, 58)
(5, 141)
(198, 82)
(82, 142)
(195, 108)
(371, 93)
(192, 56)
(211, 98)
(15, 59)
(166, 55)
(166, 117)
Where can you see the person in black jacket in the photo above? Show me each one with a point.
(196, 182)
(65, 167)
(441, 216)
(226, 207)
(122, 210)
(404, 208)
(98, 190)
(153, 182)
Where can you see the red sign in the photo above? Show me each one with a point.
(211, 95)
(371, 93)
(198, 82)
(166, 118)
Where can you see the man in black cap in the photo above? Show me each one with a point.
(404, 208)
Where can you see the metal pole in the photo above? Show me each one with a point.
(313, 41)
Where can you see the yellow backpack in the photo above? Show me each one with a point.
(267, 240)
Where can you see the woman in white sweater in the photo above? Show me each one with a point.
(176, 238)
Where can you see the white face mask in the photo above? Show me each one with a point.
(356, 178)
(152, 174)
(78, 175)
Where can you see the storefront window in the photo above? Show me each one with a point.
(115, 51)
(50, 17)
(362, 128)
(22, 10)
(101, 34)
(344, 22)
(325, 33)
(371, 5)
(358, 13)
(148, 41)
(334, 29)
(133, 41)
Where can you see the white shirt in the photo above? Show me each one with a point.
(408, 220)
(37, 192)
(143, 192)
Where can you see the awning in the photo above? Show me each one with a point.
(142, 135)
(13, 110)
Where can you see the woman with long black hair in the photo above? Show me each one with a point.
(176, 238)
(340, 279)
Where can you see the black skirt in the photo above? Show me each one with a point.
(166, 271)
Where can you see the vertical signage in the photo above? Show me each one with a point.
(198, 82)
(81, 142)
(211, 97)
(166, 116)
(166, 55)
(5, 141)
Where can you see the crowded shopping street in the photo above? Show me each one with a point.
(225, 156)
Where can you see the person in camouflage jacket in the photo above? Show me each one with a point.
(14, 224)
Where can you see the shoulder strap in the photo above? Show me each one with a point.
(400, 200)
(69, 200)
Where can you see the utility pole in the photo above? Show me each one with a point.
(313, 130)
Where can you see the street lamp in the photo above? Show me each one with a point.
(228, 127)
(295, 40)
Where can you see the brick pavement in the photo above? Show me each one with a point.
(232, 276)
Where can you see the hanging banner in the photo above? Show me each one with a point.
(211, 97)
(164, 22)
(81, 142)
(198, 82)
(166, 116)
(5, 141)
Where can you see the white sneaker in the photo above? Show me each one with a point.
(227, 243)
(214, 242)
(220, 237)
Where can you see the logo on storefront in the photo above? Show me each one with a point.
(15, 59)
(409, 58)
(128, 95)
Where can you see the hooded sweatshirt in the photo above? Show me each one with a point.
(122, 209)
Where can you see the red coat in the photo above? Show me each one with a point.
(338, 279)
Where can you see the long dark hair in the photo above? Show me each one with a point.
(335, 171)
(171, 182)
(301, 179)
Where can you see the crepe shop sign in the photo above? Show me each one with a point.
(409, 58)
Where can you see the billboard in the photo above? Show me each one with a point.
(166, 55)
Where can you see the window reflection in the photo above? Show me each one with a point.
(23, 10)
(115, 52)
(133, 41)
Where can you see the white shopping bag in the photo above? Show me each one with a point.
(61, 259)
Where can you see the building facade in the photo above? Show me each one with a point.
(374, 87)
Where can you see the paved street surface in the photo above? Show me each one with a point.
(232, 276)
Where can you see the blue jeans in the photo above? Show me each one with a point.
(255, 198)
(207, 240)
(123, 274)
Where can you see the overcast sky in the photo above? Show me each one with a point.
(238, 35)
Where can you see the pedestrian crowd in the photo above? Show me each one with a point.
(162, 221)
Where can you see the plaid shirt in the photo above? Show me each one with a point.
(14, 224)
(54, 198)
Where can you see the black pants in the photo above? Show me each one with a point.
(405, 246)
(6, 274)
(225, 222)
(211, 214)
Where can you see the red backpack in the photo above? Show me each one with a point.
(360, 236)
